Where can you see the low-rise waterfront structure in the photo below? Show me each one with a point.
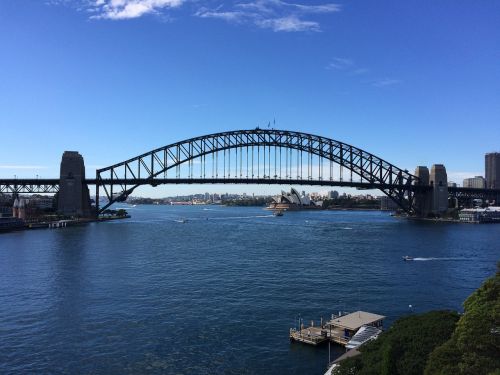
(387, 204)
(340, 329)
(480, 215)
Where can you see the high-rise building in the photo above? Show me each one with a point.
(492, 170)
(477, 182)
(333, 194)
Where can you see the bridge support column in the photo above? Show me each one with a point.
(435, 200)
(97, 196)
(74, 197)
(423, 199)
(439, 182)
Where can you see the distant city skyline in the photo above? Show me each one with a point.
(414, 84)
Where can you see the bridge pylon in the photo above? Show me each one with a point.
(433, 201)
(74, 197)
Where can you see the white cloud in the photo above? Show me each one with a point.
(276, 15)
(359, 71)
(349, 68)
(346, 65)
(224, 15)
(127, 9)
(269, 5)
(324, 8)
(290, 23)
(385, 82)
(340, 63)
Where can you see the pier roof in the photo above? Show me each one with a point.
(355, 320)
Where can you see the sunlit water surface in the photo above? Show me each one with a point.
(218, 294)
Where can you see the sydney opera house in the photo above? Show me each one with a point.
(293, 201)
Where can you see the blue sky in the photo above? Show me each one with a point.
(414, 82)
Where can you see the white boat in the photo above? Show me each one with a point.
(407, 258)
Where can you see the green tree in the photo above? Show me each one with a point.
(405, 347)
(474, 347)
(121, 212)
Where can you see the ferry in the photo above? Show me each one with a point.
(181, 203)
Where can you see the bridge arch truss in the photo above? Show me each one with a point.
(259, 156)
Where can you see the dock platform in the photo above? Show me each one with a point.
(311, 335)
(340, 329)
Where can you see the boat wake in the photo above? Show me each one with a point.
(428, 259)
(219, 218)
(238, 217)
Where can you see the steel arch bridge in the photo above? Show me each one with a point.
(259, 156)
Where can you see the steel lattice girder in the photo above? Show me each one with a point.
(29, 186)
(154, 163)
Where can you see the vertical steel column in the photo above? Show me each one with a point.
(97, 194)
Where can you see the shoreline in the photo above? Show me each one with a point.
(58, 224)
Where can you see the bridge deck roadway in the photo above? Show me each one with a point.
(179, 181)
(262, 181)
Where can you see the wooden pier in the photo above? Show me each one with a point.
(310, 335)
(339, 329)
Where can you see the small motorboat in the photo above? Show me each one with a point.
(278, 213)
(407, 258)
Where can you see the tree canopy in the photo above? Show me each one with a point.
(405, 347)
(438, 342)
(474, 347)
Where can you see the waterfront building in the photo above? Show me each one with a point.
(31, 207)
(19, 208)
(480, 215)
(5, 211)
(452, 184)
(21, 211)
(387, 204)
(492, 170)
(314, 196)
(334, 194)
(42, 203)
(340, 329)
(477, 182)
(15, 208)
(293, 201)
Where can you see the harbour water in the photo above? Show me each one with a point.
(217, 293)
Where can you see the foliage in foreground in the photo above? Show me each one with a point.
(405, 347)
(435, 343)
(474, 347)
